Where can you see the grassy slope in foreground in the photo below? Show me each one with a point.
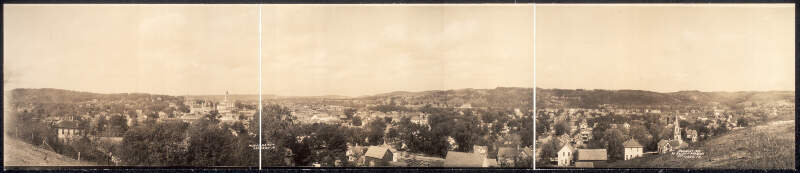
(18, 153)
(766, 146)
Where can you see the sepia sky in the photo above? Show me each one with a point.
(308, 49)
(357, 50)
(162, 49)
(666, 47)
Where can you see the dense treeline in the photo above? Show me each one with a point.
(206, 142)
(294, 144)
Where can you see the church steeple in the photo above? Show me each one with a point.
(677, 133)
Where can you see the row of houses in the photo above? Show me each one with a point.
(589, 158)
(384, 155)
(632, 149)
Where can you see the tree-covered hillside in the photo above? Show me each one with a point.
(595, 98)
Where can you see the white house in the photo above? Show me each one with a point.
(565, 155)
(632, 149)
(69, 130)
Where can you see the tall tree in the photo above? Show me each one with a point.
(278, 134)
(562, 128)
(118, 124)
(349, 112)
(375, 131)
(356, 121)
(159, 144)
(550, 149)
(614, 139)
(211, 146)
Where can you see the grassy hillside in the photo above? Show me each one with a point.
(18, 153)
(766, 146)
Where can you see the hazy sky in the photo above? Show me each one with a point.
(665, 47)
(369, 49)
(164, 49)
(308, 49)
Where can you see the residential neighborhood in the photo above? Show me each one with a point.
(377, 131)
(606, 134)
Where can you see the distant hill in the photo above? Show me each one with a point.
(49, 95)
(18, 153)
(317, 97)
(497, 97)
(593, 98)
(233, 97)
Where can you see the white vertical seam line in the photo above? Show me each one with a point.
(534, 86)
(260, 106)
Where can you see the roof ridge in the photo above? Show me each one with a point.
(632, 143)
